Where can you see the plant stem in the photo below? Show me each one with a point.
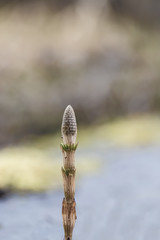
(68, 147)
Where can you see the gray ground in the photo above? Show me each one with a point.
(122, 202)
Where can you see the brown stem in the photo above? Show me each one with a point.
(69, 133)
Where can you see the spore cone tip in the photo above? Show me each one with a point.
(69, 126)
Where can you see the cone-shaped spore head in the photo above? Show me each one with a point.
(69, 126)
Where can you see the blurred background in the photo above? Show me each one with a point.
(103, 58)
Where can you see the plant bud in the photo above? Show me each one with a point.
(69, 126)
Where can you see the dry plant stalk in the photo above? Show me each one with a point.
(68, 147)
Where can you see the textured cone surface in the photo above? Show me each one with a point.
(69, 125)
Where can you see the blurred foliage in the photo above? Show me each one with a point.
(28, 168)
(25, 169)
(145, 11)
(36, 165)
(30, 5)
(133, 131)
(80, 56)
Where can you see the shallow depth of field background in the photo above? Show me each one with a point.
(103, 58)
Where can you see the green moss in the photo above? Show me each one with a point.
(27, 169)
(31, 169)
(137, 130)
(35, 166)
